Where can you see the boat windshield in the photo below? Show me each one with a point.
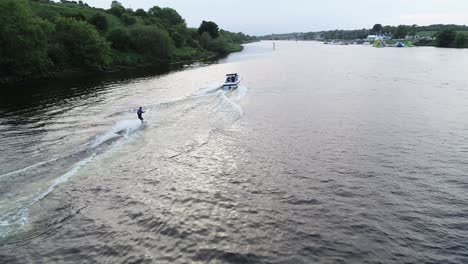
(231, 77)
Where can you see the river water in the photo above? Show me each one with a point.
(324, 154)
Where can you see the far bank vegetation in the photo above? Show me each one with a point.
(39, 38)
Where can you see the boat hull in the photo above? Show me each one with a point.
(232, 85)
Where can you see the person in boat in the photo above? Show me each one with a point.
(140, 114)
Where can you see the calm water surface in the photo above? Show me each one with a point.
(325, 154)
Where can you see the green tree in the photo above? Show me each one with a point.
(388, 29)
(205, 39)
(85, 47)
(117, 9)
(154, 11)
(413, 30)
(192, 37)
(76, 16)
(140, 12)
(154, 43)
(47, 14)
(24, 38)
(377, 29)
(400, 32)
(446, 38)
(115, 4)
(119, 38)
(153, 21)
(179, 40)
(128, 19)
(460, 40)
(210, 27)
(237, 38)
(99, 21)
(219, 45)
(168, 16)
(171, 17)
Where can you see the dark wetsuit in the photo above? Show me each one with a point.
(139, 113)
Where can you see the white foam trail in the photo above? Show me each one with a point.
(129, 126)
(63, 178)
(232, 103)
(15, 217)
(21, 216)
(122, 128)
(27, 168)
(209, 90)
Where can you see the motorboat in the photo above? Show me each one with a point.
(232, 81)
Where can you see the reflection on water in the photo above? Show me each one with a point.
(325, 154)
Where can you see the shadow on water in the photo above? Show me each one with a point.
(30, 95)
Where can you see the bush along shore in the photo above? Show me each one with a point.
(44, 39)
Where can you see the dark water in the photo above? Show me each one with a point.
(325, 154)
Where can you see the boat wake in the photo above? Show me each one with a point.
(17, 197)
(208, 109)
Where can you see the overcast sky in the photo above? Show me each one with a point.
(260, 17)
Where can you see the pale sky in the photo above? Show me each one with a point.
(261, 17)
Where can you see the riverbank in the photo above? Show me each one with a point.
(44, 39)
(120, 72)
(123, 70)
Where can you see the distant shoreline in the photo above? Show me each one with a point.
(349, 42)
(436, 35)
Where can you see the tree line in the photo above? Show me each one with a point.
(41, 37)
(444, 35)
(453, 36)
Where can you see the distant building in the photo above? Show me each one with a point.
(427, 38)
(372, 38)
